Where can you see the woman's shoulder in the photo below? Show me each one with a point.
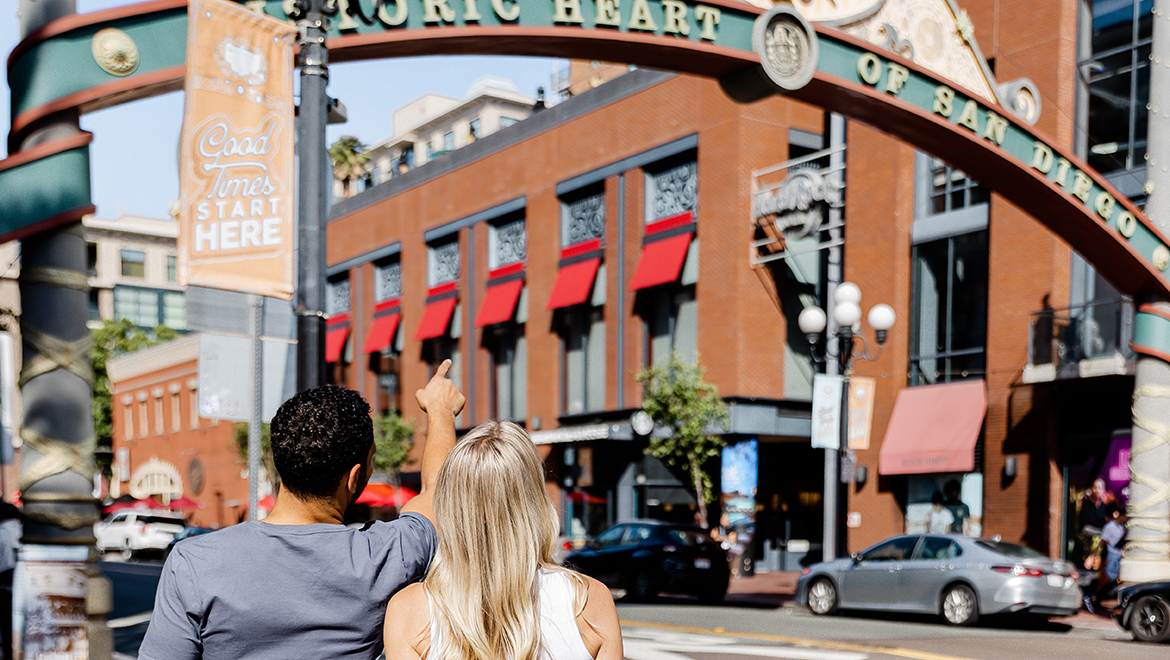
(408, 614)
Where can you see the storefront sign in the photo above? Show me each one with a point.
(236, 177)
(798, 205)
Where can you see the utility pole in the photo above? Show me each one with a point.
(313, 191)
(1147, 543)
(56, 383)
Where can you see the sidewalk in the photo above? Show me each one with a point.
(779, 589)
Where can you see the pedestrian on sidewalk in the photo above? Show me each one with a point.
(300, 584)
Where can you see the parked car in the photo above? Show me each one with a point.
(646, 557)
(957, 577)
(131, 532)
(187, 533)
(1144, 610)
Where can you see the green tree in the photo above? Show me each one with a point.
(677, 397)
(393, 440)
(111, 340)
(349, 158)
(241, 444)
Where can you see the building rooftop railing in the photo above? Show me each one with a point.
(1080, 342)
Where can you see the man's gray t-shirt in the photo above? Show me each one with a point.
(256, 591)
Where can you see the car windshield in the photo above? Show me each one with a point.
(1009, 549)
(691, 537)
(163, 520)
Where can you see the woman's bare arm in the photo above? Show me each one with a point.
(598, 623)
(408, 626)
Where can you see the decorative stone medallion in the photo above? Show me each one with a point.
(837, 12)
(787, 47)
(115, 51)
(1161, 258)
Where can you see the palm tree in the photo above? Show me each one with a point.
(349, 158)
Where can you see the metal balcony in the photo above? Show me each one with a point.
(1080, 342)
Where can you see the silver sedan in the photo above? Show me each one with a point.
(957, 577)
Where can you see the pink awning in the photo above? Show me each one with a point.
(934, 428)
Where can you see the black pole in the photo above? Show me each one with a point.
(312, 200)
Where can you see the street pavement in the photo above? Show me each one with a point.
(760, 620)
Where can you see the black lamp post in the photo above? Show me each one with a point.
(846, 315)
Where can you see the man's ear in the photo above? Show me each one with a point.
(353, 479)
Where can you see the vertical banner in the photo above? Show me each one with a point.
(49, 590)
(236, 173)
(826, 412)
(861, 397)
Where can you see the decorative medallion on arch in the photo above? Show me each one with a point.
(156, 477)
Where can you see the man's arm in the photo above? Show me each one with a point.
(441, 401)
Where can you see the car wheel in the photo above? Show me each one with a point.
(712, 595)
(127, 551)
(822, 597)
(642, 588)
(1150, 619)
(960, 607)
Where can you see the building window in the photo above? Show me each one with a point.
(158, 411)
(91, 257)
(583, 218)
(443, 262)
(1119, 84)
(128, 417)
(133, 263)
(387, 280)
(672, 190)
(509, 375)
(389, 397)
(172, 268)
(584, 365)
(193, 390)
(449, 141)
(337, 298)
(951, 189)
(948, 310)
(432, 150)
(507, 121)
(95, 310)
(174, 308)
(507, 243)
(474, 129)
(671, 325)
(143, 416)
(150, 308)
(176, 410)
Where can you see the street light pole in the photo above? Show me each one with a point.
(812, 322)
(313, 191)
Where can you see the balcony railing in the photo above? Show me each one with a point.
(1078, 342)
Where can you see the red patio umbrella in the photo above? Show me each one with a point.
(122, 503)
(578, 497)
(184, 503)
(385, 495)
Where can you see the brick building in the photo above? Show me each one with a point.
(555, 260)
(162, 447)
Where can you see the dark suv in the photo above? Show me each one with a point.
(646, 557)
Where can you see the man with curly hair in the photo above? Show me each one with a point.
(300, 584)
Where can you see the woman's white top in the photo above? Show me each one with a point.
(560, 638)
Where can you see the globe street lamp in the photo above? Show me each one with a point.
(846, 301)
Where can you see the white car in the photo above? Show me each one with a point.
(129, 532)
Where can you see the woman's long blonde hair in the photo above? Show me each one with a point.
(497, 527)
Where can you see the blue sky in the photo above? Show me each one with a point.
(135, 145)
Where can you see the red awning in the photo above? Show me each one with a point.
(661, 262)
(335, 342)
(574, 283)
(382, 334)
(934, 428)
(436, 318)
(500, 303)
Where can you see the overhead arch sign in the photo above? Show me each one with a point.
(963, 117)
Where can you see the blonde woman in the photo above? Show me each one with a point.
(493, 591)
